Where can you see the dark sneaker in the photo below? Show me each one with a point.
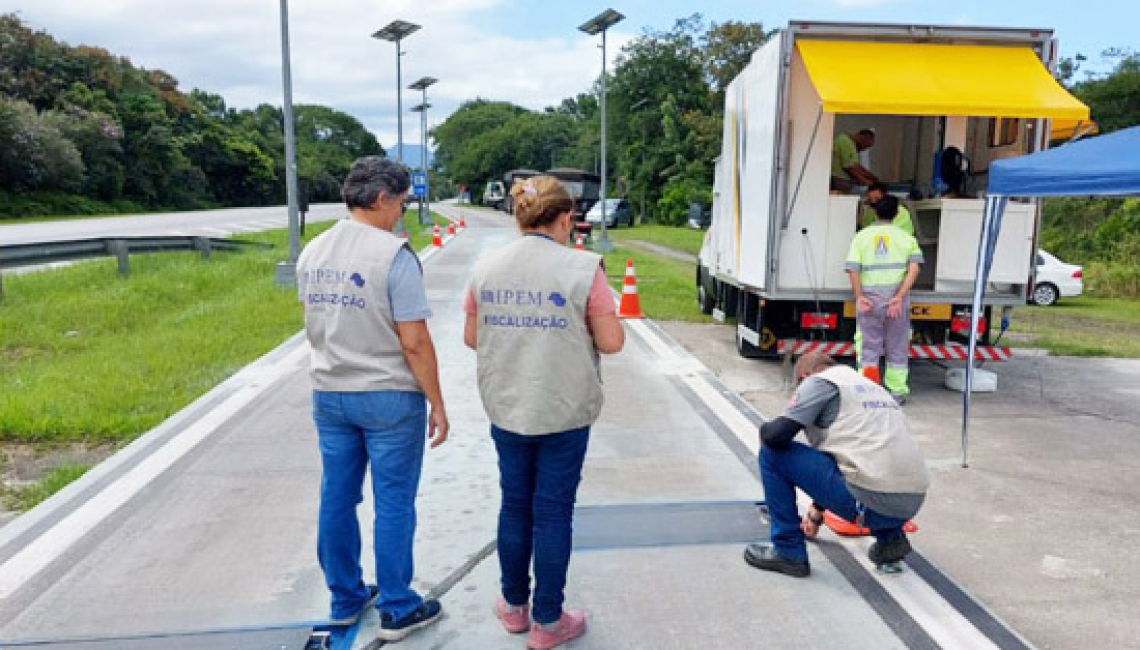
(427, 613)
(889, 552)
(763, 555)
(351, 619)
(900, 398)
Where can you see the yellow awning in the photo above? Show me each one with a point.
(1066, 129)
(935, 79)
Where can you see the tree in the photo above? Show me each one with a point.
(34, 153)
(1114, 100)
(728, 47)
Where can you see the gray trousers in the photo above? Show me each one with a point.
(882, 336)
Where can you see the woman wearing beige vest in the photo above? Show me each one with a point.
(538, 314)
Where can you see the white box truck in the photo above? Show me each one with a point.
(773, 256)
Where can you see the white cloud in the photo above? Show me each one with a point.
(233, 48)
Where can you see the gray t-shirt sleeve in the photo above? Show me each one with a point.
(816, 403)
(406, 291)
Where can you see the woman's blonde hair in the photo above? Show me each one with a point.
(539, 201)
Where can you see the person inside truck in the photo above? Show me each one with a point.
(847, 172)
(883, 264)
(875, 192)
(861, 463)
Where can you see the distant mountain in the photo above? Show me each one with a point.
(412, 154)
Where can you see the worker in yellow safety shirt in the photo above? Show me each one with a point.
(875, 193)
(883, 264)
(847, 171)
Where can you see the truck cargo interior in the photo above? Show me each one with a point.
(938, 168)
(941, 113)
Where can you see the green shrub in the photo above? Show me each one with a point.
(1113, 279)
(673, 206)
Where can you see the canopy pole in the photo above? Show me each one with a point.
(987, 243)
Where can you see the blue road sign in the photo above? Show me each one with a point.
(419, 184)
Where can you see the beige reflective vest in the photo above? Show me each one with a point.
(538, 369)
(870, 438)
(342, 280)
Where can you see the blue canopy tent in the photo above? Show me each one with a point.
(1108, 165)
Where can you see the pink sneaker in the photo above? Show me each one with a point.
(515, 618)
(571, 626)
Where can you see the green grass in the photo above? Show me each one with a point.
(1084, 326)
(682, 239)
(27, 497)
(87, 355)
(665, 285)
(421, 235)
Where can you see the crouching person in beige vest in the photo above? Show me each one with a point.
(861, 463)
(538, 314)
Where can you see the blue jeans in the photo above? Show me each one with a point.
(783, 469)
(539, 477)
(384, 431)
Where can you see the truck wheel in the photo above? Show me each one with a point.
(706, 291)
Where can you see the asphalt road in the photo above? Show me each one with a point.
(209, 223)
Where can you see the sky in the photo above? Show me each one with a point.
(529, 52)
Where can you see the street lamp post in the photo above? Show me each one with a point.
(286, 275)
(394, 32)
(598, 25)
(422, 86)
(637, 105)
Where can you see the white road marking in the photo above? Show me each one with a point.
(214, 232)
(927, 607)
(52, 543)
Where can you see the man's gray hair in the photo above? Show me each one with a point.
(370, 176)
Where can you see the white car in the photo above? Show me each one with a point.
(618, 212)
(1056, 279)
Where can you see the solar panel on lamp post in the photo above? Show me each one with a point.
(594, 26)
(394, 32)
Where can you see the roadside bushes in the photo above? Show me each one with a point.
(673, 206)
(31, 204)
(1103, 235)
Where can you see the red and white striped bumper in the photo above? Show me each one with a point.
(947, 351)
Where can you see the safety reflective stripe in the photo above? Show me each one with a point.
(884, 267)
(945, 351)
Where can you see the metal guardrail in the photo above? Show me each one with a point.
(17, 255)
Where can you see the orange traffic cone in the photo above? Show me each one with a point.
(841, 526)
(630, 303)
(436, 240)
(872, 373)
(580, 242)
(462, 222)
(450, 228)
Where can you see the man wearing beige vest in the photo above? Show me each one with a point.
(374, 376)
(861, 463)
